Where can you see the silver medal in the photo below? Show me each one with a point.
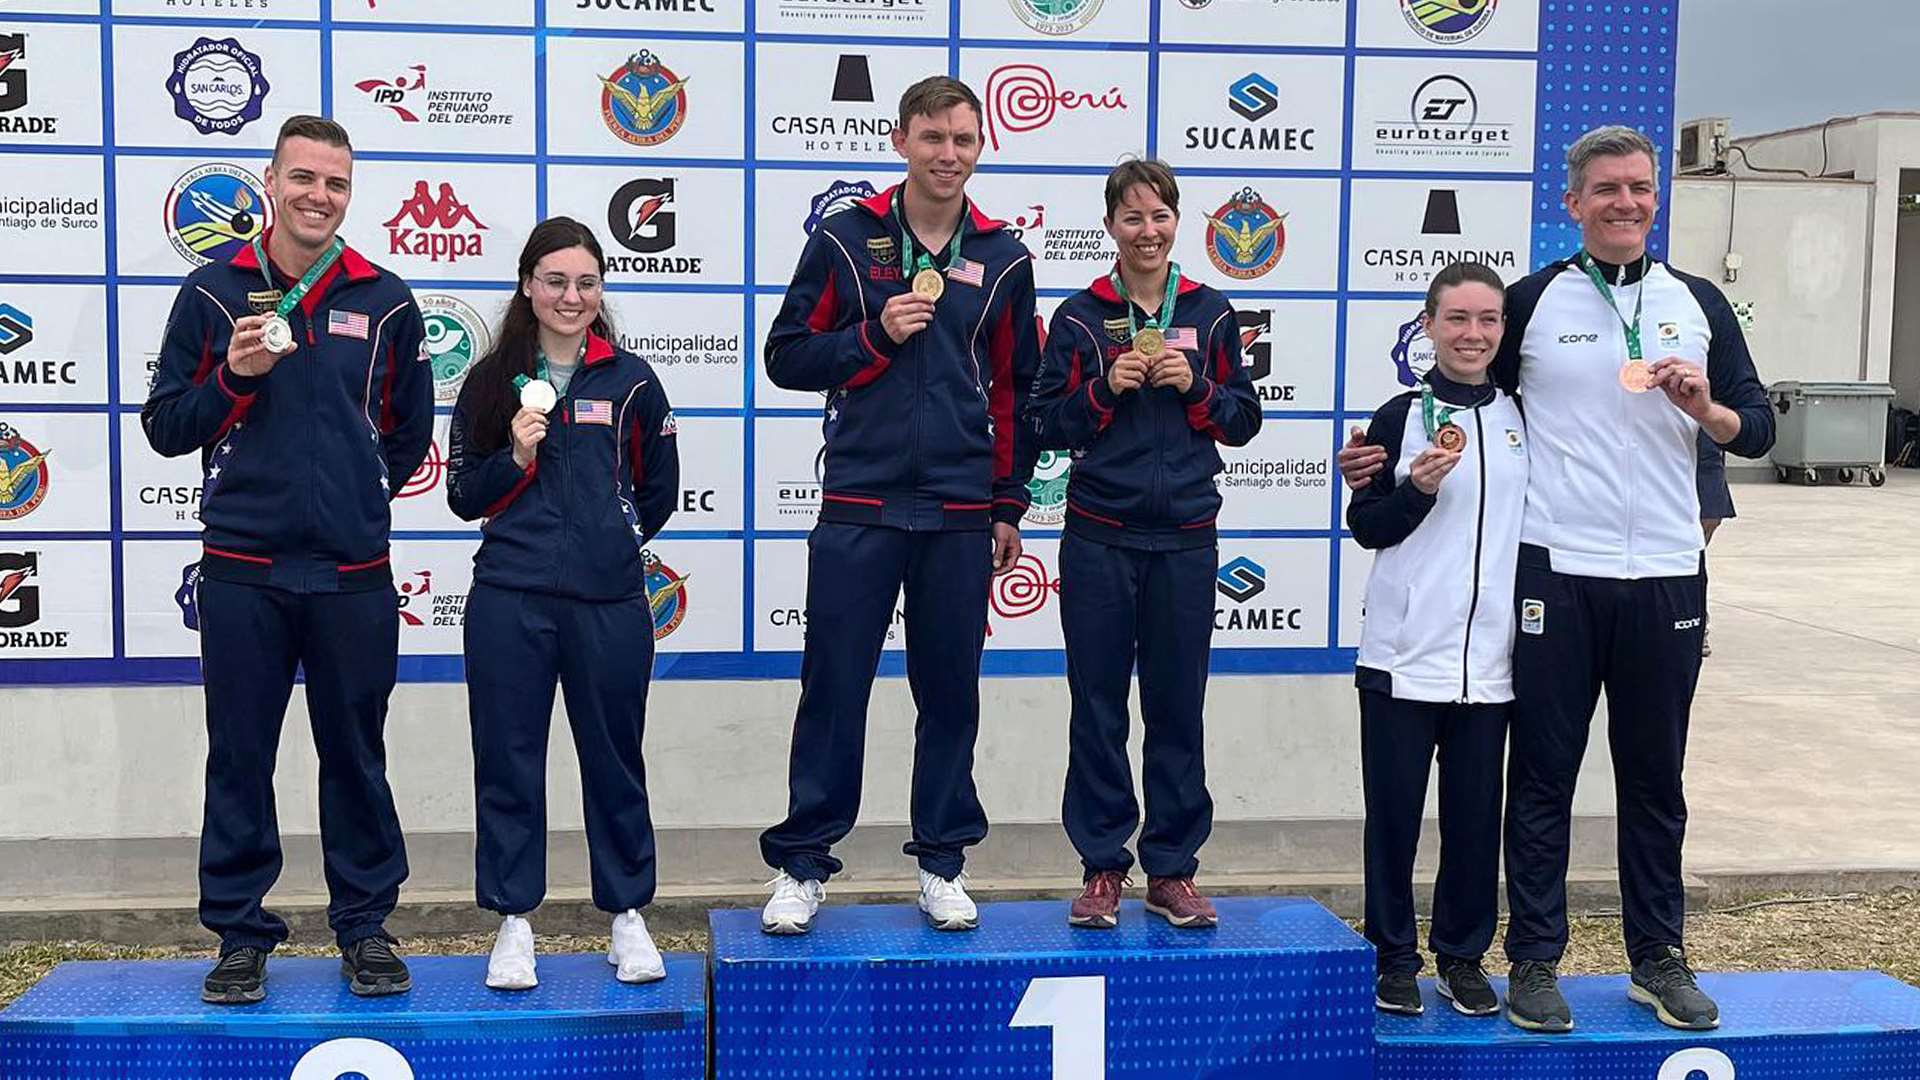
(539, 395)
(277, 334)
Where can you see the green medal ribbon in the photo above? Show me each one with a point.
(922, 260)
(540, 366)
(1160, 321)
(1435, 417)
(300, 289)
(1639, 301)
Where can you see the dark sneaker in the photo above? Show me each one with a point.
(1398, 992)
(1177, 901)
(1667, 983)
(240, 978)
(1534, 1002)
(1464, 983)
(372, 968)
(1098, 905)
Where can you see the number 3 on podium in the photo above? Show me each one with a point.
(1075, 1007)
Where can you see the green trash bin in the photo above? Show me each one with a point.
(1840, 427)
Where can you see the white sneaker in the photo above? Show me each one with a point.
(791, 908)
(511, 965)
(633, 955)
(946, 903)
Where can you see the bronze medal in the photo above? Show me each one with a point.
(1149, 343)
(1450, 438)
(1636, 377)
(929, 283)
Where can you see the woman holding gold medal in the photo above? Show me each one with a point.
(564, 444)
(1141, 378)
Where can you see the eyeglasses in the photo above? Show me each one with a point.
(555, 285)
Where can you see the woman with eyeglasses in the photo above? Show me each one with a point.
(563, 444)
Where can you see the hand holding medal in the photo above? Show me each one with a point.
(1430, 467)
(529, 425)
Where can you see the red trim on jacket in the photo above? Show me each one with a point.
(526, 478)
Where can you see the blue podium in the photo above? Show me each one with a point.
(1280, 988)
(145, 1020)
(1823, 1025)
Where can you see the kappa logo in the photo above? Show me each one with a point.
(1533, 617)
(16, 329)
(1241, 580)
(434, 220)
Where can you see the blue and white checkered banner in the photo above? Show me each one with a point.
(1332, 155)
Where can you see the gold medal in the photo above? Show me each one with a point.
(929, 284)
(1450, 438)
(1150, 342)
(1636, 377)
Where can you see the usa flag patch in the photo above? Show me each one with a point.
(967, 272)
(1183, 337)
(347, 324)
(589, 411)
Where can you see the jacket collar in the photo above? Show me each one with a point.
(1102, 288)
(881, 206)
(356, 267)
(599, 350)
(1459, 394)
(1616, 274)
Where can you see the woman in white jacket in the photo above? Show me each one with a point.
(1435, 670)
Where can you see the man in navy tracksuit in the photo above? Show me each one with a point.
(302, 451)
(914, 313)
(1619, 361)
(1138, 555)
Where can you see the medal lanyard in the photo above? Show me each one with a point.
(540, 365)
(1435, 417)
(922, 260)
(1161, 321)
(305, 284)
(1639, 301)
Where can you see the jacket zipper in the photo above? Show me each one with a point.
(1479, 536)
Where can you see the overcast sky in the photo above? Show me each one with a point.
(1772, 64)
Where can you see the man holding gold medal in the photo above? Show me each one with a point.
(296, 371)
(913, 313)
(1619, 360)
(1142, 379)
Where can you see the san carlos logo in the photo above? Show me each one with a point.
(217, 86)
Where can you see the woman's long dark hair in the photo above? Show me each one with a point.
(489, 393)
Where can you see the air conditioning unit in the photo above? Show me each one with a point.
(1703, 146)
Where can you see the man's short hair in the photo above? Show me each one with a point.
(1610, 141)
(936, 94)
(1156, 174)
(318, 128)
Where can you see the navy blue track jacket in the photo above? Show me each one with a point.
(1144, 462)
(602, 483)
(925, 434)
(301, 462)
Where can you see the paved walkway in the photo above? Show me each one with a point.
(1805, 748)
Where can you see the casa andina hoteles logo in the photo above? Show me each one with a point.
(15, 93)
(642, 219)
(1246, 237)
(435, 226)
(1255, 99)
(1448, 22)
(642, 101)
(217, 86)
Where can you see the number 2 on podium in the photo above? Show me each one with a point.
(1075, 1007)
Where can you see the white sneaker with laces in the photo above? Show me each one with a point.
(790, 909)
(946, 903)
(632, 954)
(510, 967)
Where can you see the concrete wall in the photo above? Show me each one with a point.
(1905, 364)
(100, 788)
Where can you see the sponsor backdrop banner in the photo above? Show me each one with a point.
(1333, 154)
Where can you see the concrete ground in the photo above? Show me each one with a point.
(1806, 728)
